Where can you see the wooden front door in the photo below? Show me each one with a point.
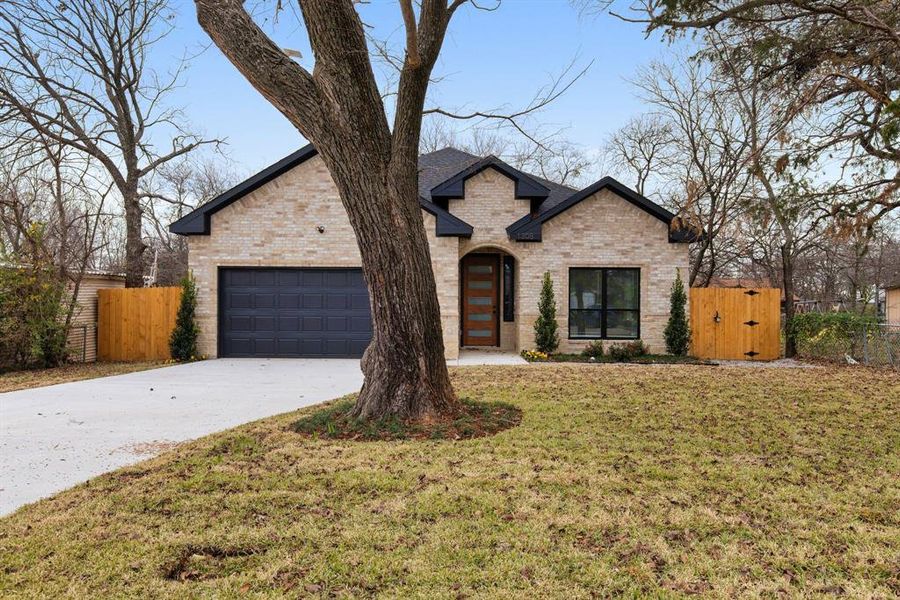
(480, 298)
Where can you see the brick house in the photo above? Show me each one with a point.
(277, 265)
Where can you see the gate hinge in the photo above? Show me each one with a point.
(751, 323)
(751, 354)
(751, 292)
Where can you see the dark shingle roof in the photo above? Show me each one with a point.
(448, 166)
(440, 165)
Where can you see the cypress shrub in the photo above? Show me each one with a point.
(546, 330)
(183, 343)
(677, 331)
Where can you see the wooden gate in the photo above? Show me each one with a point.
(136, 323)
(736, 323)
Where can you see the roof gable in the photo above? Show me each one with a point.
(454, 187)
(528, 228)
(198, 221)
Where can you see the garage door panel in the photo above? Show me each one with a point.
(239, 277)
(336, 324)
(288, 323)
(291, 300)
(264, 323)
(290, 347)
(336, 347)
(265, 278)
(313, 324)
(240, 323)
(311, 278)
(335, 279)
(336, 301)
(311, 347)
(264, 300)
(264, 346)
(359, 302)
(361, 324)
(294, 312)
(241, 346)
(289, 277)
(313, 301)
(239, 300)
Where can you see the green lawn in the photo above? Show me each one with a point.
(620, 480)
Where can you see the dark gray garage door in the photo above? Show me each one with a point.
(293, 313)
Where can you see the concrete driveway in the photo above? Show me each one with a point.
(54, 437)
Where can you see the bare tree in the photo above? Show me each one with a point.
(642, 148)
(704, 172)
(52, 211)
(76, 72)
(558, 161)
(175, 190)
(778, 162)
(339, 108)
(553, 158)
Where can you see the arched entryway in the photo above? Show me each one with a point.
(487, 299)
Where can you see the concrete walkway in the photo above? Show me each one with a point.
(470, 357)
(54, 437)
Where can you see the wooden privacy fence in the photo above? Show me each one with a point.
(136, 323)
(736, 323)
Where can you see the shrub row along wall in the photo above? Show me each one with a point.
(135, 324)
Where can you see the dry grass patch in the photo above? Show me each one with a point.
(23, 380)
(636, 481)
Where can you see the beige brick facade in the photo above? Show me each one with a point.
(277, 225)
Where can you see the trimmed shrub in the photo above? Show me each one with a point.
(677, 331)
(627, 351)
(593, 350)
(183, 343)
(546, 329)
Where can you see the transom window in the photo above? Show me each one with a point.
(605, 303)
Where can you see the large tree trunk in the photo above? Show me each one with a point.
(134, 242)
(787, 274)
(338, 107)
(404, 366)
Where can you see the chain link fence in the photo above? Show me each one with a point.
(873, 344)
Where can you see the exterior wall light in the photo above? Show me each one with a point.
(320, 229)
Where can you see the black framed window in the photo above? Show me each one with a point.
(605, 303)
(509, 300)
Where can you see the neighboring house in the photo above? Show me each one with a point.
(892, 303)
(82, 340)
(277, 264)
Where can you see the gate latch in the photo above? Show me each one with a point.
(717, 318)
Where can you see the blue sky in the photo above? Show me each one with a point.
(489, 59)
